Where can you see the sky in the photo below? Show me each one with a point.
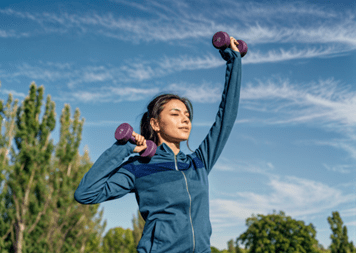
(293, 146)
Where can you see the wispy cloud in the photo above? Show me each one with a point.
(264, 168)
(13, 34)
(256, 57)
(13, 92)
(113, 94)
(344, 169)
(144, 70)
(347, 144)
(109, 95)
(138, 71)
(348, 213)
(298, 197)
(261, 22)
(324, 101)
(326, 104)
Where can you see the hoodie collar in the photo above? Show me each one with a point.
(165, 150)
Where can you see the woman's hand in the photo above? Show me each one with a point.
(140, 142)
(234, 44)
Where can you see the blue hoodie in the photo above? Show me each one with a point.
(172, 191)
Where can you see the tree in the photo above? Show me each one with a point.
(278, 233)
(71, 225)
(119, 240)
(7, 133)
(138, 224)
(38, 180)
(29, 195)
(230, 246)
(339, 239)
(214, 250)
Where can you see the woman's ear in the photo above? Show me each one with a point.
(154, 124)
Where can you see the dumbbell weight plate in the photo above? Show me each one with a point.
(123, 132)
(150, 150)
(221, 40)
(242, 47)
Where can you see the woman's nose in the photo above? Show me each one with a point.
(185, 119)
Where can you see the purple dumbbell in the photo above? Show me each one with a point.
(221, 40)
(123, 133)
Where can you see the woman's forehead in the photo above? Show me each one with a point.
(175, 104)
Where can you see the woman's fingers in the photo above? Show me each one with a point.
(233, 44)
(140, 140)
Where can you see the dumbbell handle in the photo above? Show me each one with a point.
(132, 140)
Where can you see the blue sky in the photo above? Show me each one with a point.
(293, 147)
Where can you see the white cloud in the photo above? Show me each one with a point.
(256, 57)
(109, 94)
(325, 101)
(14, 93)
(348, 212)
(298, 197)
(344, 169)
(140, 70)
(102, 123)
(347, 145)
(325, 104)
(258, 23)
(143, 70)
(240, 166)
(204, 93)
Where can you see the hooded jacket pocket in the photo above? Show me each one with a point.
(150, 241)
(156, 242)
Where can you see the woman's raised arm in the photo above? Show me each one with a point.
(213, 144)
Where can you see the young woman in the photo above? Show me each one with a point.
(171, 188)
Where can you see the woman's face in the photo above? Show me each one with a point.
(173, 124)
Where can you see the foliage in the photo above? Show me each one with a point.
(278, 233)
(339, 239)
(214, 250)
(119, 240)
(230, 246)
(7, 130)
(138, 223)
(38, 179)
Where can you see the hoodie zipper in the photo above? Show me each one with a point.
(190, 200)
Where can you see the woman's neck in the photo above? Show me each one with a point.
(175, 147)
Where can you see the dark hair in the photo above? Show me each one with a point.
(154, 108)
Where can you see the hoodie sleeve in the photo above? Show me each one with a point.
(213, 144)
(106, 179)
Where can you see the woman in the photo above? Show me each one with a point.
(171, 188)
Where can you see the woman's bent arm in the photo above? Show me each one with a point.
(106, 179)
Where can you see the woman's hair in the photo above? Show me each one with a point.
(154, 108)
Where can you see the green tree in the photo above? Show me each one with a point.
(71, 225)
(352, 247)
(138, 224)
(214, 250)
(119, 240)
(38, 180)
(278, 233)
(320, 249)
(230, 246)
(29, 195)
(339, 239)
(7, 133)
